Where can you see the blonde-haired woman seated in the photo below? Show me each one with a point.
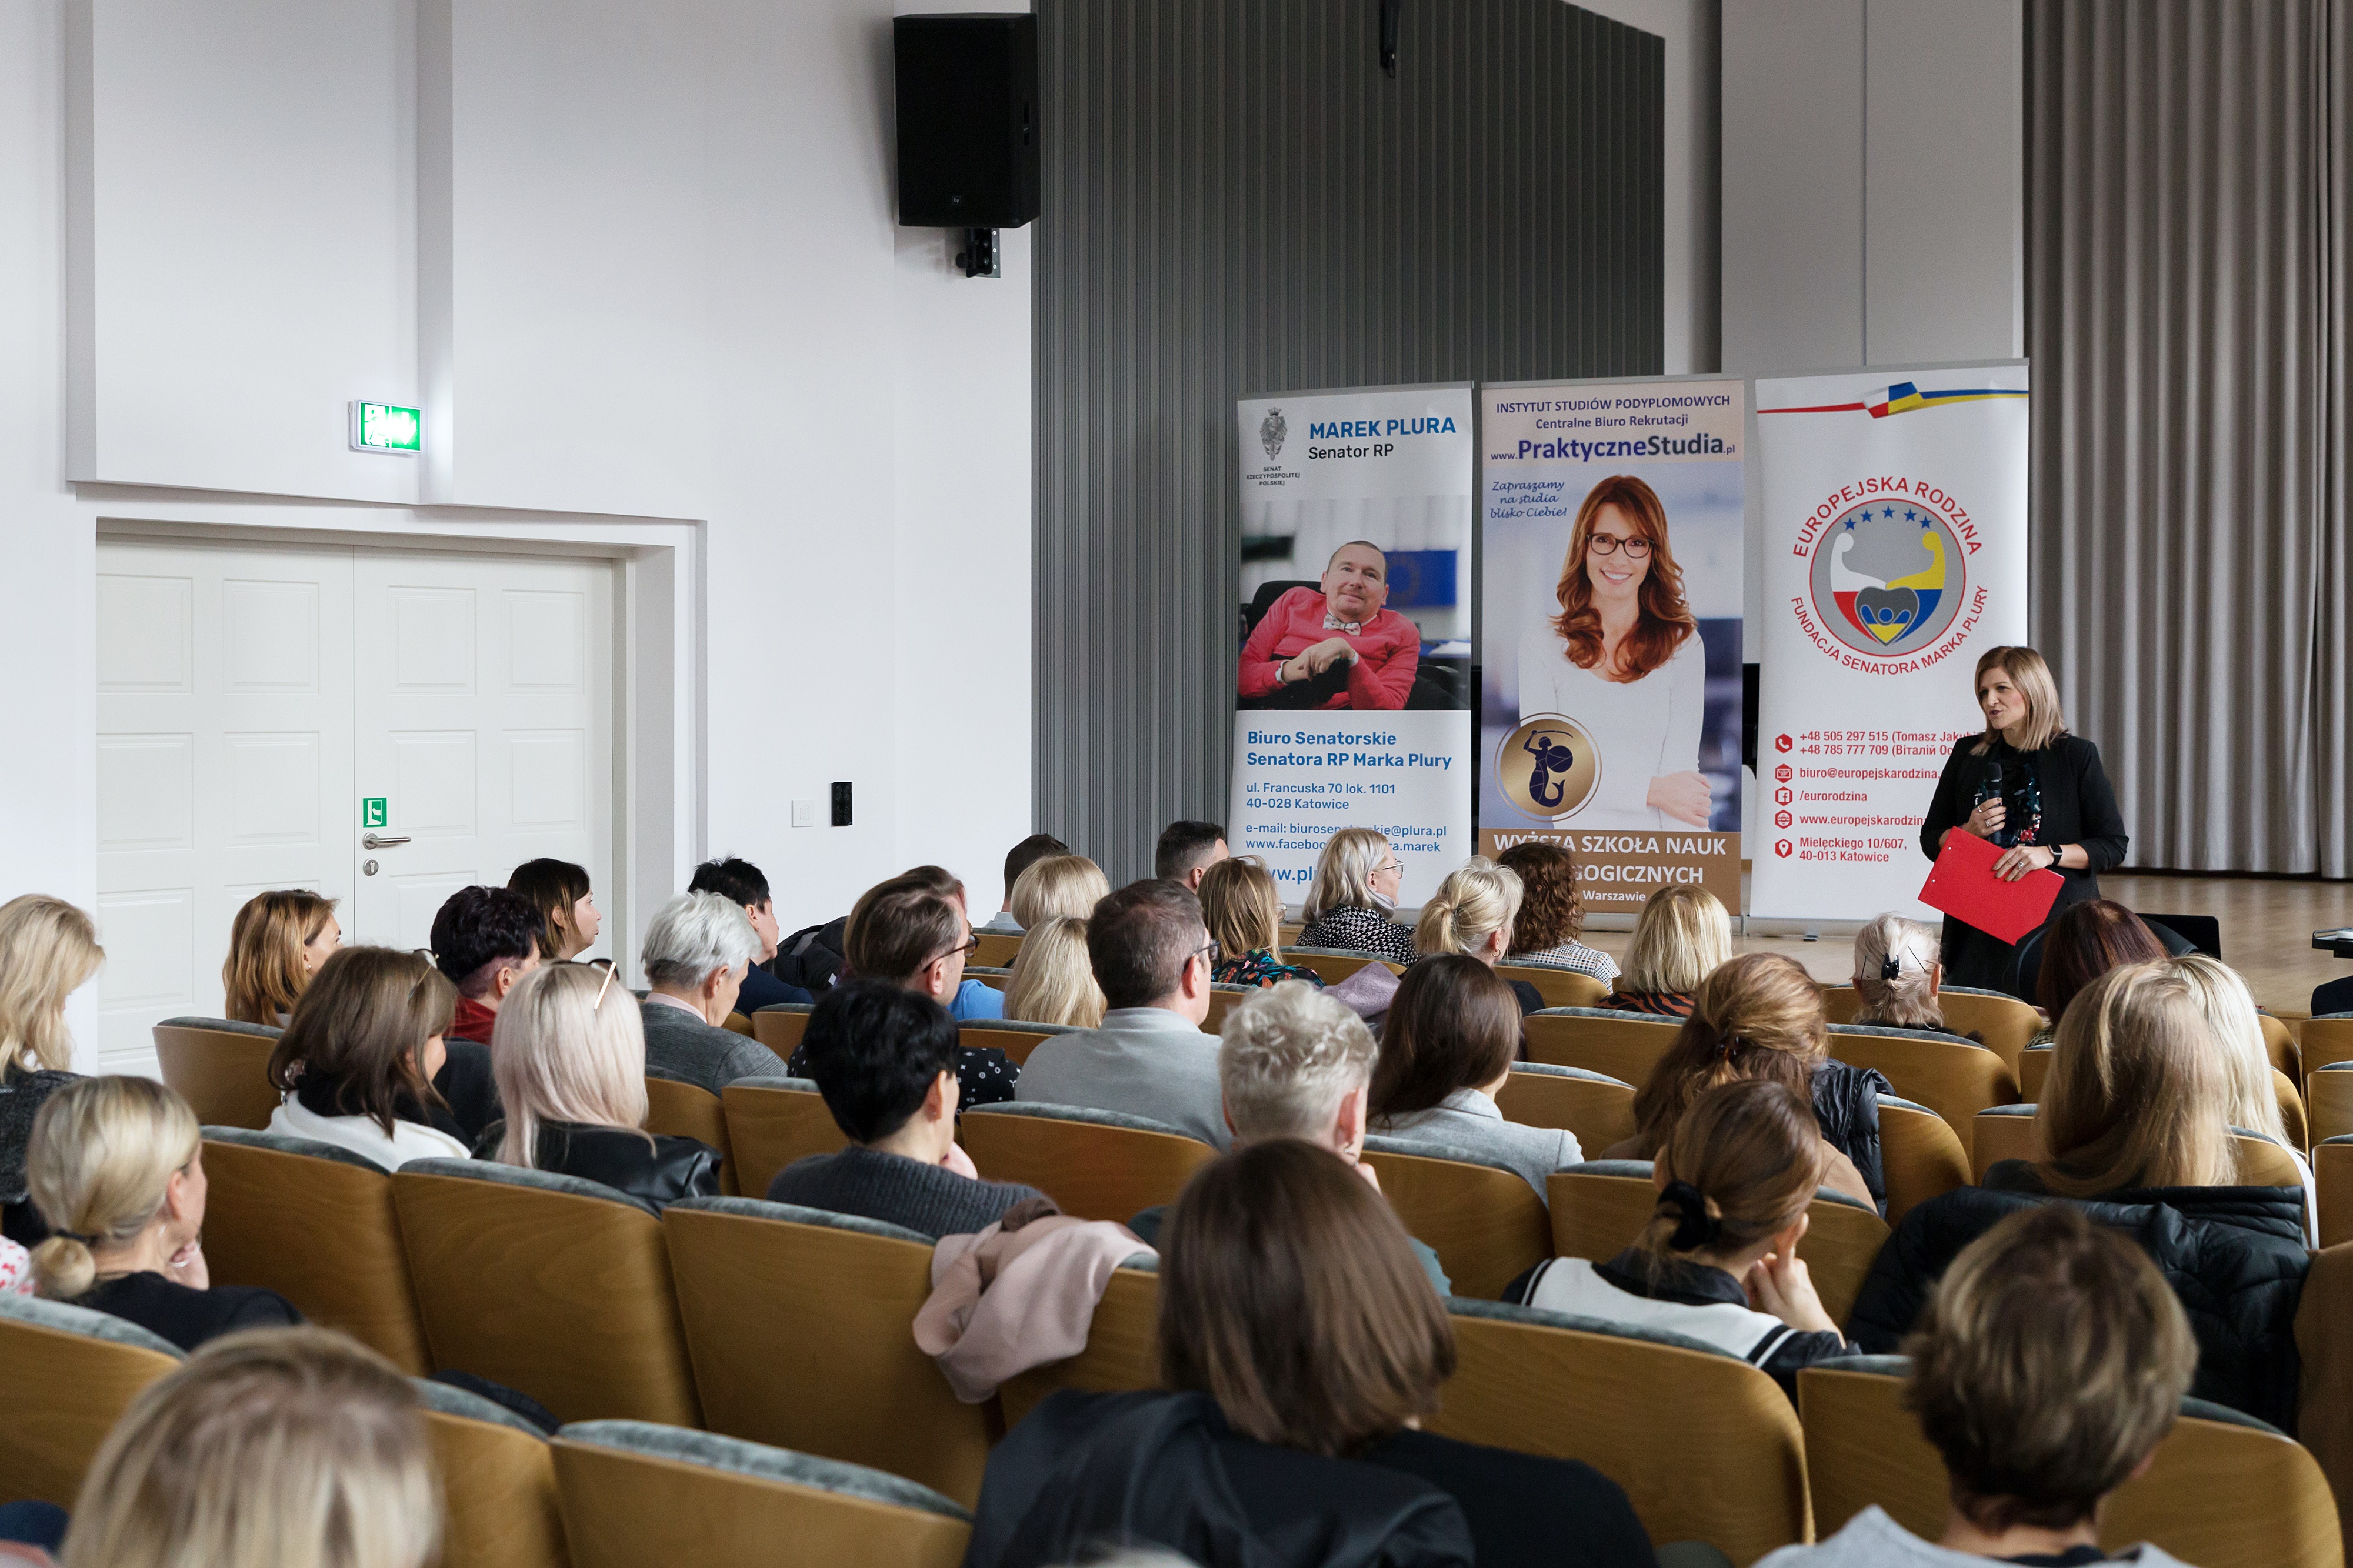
(569, 1054)
(1053, 979)
(293, 1448)
(1897, 971)
(276, 943)
(2135, 1122)
(1681, 937)
(1761, 1015)
(1472, 913)
(2235, 1026)
(1718, 1262)
(1243, 909)
(48, 951)
(1301, 1346)
(356, 1063)
(118, 1171)
(1348, 904)
(1059, 885)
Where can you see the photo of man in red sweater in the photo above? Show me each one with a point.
(1334, 646)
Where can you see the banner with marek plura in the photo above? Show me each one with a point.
(1610, 709)
(1352, 691)
(1894, 531)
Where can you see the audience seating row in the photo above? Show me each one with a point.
(2007, 1132)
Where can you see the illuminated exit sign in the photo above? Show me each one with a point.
(386, 427)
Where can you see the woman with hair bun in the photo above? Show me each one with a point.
(1897, 971)
(1472, 913)
(1718, 1260)
(118, 1171)
(276, 943)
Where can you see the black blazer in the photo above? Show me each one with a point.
(184, 1315)
(662, 1171)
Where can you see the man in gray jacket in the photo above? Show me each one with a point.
(2046, 1371)
(1152, 956)
(695, 955)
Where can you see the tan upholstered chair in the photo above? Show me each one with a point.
(70, 1373)
(1332, 965)
(1486, 1225)
(557, 1288)
(1598, 1110)
(779, 1027)
(1558, 987)
(1123, 1349)
(1097, 1164)
(679, 1110)
(800, 1323)
(634, 1494)
(498, 1483)
(997, 950)
(1015, 1037)
(316, 1224)
(2003, 1022)
(1864, 1448)
(1920, 1155)
(1952, 1076)
(220, 1068)
(1623, 1045)
(772, 1122)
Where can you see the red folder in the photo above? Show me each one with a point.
(1962, 884)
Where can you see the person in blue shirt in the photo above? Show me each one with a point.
(913, 932)
(740, 882)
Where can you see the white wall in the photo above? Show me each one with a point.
(635, 262)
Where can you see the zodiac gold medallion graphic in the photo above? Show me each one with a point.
(1548, 766)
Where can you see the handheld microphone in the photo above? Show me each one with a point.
(1993, 782)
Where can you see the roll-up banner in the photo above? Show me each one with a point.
(1895, 533)
(1352, 695)
(1610, 706)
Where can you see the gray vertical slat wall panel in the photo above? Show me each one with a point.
(1236, 201)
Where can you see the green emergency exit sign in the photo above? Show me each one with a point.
(372, 811)
(386, 427)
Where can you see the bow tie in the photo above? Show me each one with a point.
(1333, 622)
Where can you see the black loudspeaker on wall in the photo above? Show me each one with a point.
(968, 88)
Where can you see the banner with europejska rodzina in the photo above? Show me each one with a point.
(1611, 710)
(1351, 693)
(1895, 555)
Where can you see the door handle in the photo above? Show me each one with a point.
(371, 841)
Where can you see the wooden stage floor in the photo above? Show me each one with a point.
(2267, 926)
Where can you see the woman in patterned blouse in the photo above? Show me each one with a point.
(1356, 886)
(1243, 909)
(1682, 938)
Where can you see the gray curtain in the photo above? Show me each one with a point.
(2186, 290)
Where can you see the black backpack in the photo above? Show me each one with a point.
(811, 957)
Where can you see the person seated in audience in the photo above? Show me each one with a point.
(2333, 999)
(118, 1171)
(1897, 973)
(964, 998)
(1355, 890)
(1243, 909)
(48, 951)
(567, 908)
(484, 939)
(1295, 1063)
(2049, 1365)
(1761, 1015)
(741, 882)
(1718, 1261)
(1006, 921)
(2083, 943)
(356, 1064)
(2236, 1029)
(294, 1448)
(275, 944)
(909, 933)
(885, 1057)
(1186, 852)
(1058, 886)
(2134, 1116)
(1447, 1050)
(697, 949)
(1552, 914)
(570, 1054)
(1680, 938)
(1150, 954)
(1472, 913)
(1053, 981)
(1300, 1347)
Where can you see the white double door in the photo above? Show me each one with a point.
(253, 701)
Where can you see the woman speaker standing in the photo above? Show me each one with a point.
(2032, 789)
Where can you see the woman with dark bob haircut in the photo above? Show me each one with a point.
(2085, 942)
(1301, 1346)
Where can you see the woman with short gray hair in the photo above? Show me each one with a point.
(696, 953)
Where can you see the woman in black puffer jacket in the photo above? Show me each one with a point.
(1760, 1016)
(2150, 1154)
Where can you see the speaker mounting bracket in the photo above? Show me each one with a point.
(979, 257)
